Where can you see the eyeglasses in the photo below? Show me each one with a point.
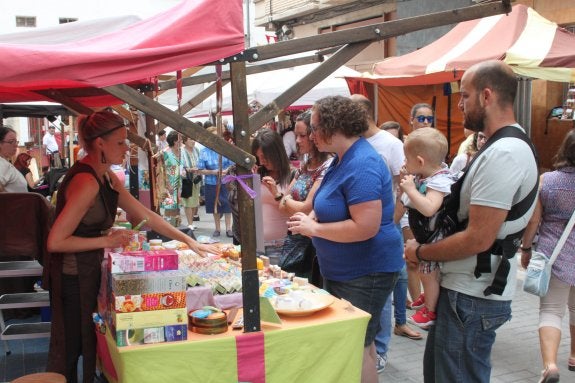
(422, 119)
(11, 142)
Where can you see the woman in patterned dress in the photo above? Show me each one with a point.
(173, 179)
(554, 207)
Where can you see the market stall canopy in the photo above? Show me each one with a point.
(532, 45)
(75, 58)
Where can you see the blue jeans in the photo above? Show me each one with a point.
(367, 293)
(458, 347)
(383, 337)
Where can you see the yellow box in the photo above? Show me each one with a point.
(142, 319)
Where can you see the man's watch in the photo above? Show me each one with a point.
(279, 196)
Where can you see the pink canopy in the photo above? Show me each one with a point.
(193, 33)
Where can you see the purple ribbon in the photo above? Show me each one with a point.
(240, 179)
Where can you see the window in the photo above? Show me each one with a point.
(64, 20)
(26, 21)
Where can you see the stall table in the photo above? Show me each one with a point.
(326, 346)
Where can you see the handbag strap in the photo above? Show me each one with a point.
(563, 238)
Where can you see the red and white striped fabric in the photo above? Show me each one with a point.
(534, 47)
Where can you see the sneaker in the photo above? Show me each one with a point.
(419, 302)
(423, 318)
(381, 363)
(192, 227)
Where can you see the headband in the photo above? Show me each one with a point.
(106, 132)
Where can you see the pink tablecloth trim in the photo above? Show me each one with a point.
(251, 357)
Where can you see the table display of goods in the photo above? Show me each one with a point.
(145, 286)
(222, 274)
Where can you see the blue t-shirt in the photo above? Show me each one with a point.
(360, 176)
(209, 160)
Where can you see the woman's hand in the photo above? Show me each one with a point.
(203, 249)
(301, 223)
(270, 184)
(119, 238)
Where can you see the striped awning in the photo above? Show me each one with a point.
(532, 45)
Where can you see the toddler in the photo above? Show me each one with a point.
(427, 182)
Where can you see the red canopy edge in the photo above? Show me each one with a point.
(194, 32)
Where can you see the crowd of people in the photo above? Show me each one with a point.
(372, 214)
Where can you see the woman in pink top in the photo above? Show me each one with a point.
(554, 207)
(274, 168)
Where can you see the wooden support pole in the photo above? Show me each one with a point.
(195, 80)
(373, 32)
(181, 124)
(250, 284)
(197, 99)
(305, 84)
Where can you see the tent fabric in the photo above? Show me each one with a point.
(532, 45)
(193, 33)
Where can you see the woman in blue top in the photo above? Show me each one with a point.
(209, 166)
(358, 246)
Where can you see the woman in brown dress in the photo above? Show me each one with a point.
(86, 206)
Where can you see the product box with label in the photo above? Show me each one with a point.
(137, 261)
(149, 302)
(150, 335)
(148, 282)
(144, 319)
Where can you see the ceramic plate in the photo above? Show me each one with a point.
(318, 302)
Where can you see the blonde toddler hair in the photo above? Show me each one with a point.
(429, 143)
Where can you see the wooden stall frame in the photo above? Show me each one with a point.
(353, 42)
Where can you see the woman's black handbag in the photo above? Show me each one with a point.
(187, 186)
(297, 254)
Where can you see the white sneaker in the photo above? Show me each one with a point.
(192, 227)
(381, 363)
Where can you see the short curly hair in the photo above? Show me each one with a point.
(340, 114)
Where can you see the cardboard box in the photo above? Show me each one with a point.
(138, 261)
(149, 302)
(146, 319)
(148, 282)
